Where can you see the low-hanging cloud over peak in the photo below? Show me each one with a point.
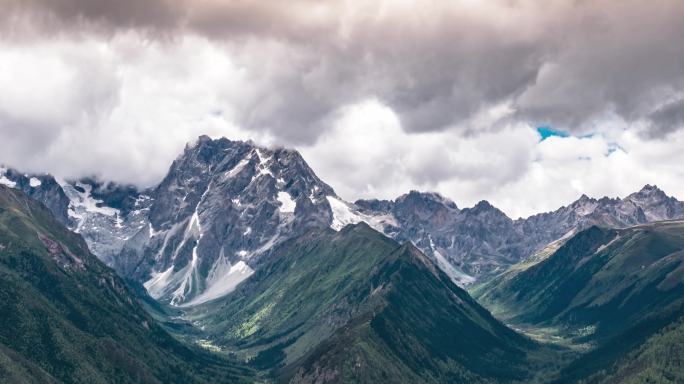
(470, 80)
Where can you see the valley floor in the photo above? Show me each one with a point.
(556, 352)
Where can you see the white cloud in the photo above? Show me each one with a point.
(123, 110)
(379, 101)
(565, 168)
(564, 62)
(368, 155)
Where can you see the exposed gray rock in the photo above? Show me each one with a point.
(466, 243)
(220, 209)
(105, 214)
(43, 188)
(224, 204)
(482, 241)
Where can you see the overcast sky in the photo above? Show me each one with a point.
(380, 96)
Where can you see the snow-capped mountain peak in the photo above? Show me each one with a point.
(224, 205)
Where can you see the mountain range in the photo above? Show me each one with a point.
(243, 251)
(223, 205)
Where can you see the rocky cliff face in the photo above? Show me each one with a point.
(105, 214)
(224, 204)
(465, 243)
(475, 243)
(43, 188)
(218, 212)
(650, 204)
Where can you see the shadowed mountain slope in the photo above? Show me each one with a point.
(618, 291)
(66, 317)
(355, 306)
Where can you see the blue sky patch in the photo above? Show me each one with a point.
(547, 132)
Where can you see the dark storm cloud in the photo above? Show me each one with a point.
(380, 96)
(667, 119)
(436, 64)
(613, 58)
(98, 14)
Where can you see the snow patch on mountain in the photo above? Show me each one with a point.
(174, 284)
(83, 203)
(189, 277)
(458, 277)
(221, 280)
(223, 285)
(104, 228)
(345, 213)
(263, 166)
(7, 182)
(34, 182)
(287, 204)
(237, 168)
(156, 286)
(4, 180)
(605, 246)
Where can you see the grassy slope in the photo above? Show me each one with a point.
(355, 306)
(658, 360)
(603, 279)
(649, 352)
(497, 284)
(620, 290)
(426, 330)
(67, 318)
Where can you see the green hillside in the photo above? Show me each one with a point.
(598, 284)
(619, 293)
(65, 317)
(650, 352)
(355, 306)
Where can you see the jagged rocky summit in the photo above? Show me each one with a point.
(224, 205)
